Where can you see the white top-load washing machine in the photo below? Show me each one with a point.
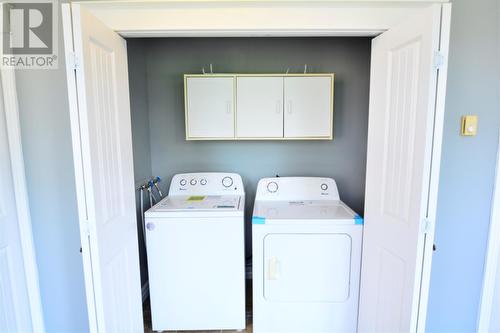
(195, 250)
(306, 257)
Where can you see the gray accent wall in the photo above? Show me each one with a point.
(139, 113)
(343, 159)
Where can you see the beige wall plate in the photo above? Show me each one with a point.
(469, 125)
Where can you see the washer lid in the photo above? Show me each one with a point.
(308, 211)
(199, 203)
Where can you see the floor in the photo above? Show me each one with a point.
(147, 317)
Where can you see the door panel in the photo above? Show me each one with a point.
(210, 107)
(102, 122)
(308, 106)
(402, 108)
(259, 107)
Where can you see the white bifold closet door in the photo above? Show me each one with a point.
(403, 97)
(15, 315)
(102, 147)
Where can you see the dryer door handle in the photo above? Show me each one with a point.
(274, 268)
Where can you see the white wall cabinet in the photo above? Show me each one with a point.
(259, 107)
(209, 107)
(268, 106)
(308, 104)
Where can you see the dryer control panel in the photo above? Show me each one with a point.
(206, 183)
(297, 189)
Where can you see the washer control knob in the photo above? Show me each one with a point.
(183, 182)
(203, 181)
(227, 181)
(272, 187)
(324, 187)
(193, 182)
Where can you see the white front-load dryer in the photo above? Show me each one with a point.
(195, 249)
(306, 257)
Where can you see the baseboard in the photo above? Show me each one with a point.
(145, 291)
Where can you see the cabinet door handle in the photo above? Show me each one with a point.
(278, 107)
(274, 269)
(289, 107)
(228, 107)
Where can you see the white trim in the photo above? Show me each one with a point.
(78, 163)
(21, 197)
(150, 18)
(435, 166)
(286, 2)
(490, 280)
(251, 33)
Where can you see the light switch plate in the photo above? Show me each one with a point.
(469, 125)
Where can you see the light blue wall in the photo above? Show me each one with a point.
(343, 159)
(467, 167)
(46, 140)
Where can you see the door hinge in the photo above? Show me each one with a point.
(439, 59)
(426, 225)
(86, 228)
(73, 60)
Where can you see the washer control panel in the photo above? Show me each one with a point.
(206, 183)
(297, 188)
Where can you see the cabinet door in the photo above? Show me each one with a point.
(308, 107)
(209, 107)
(259, 107)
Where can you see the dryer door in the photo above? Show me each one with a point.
(307, 267)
